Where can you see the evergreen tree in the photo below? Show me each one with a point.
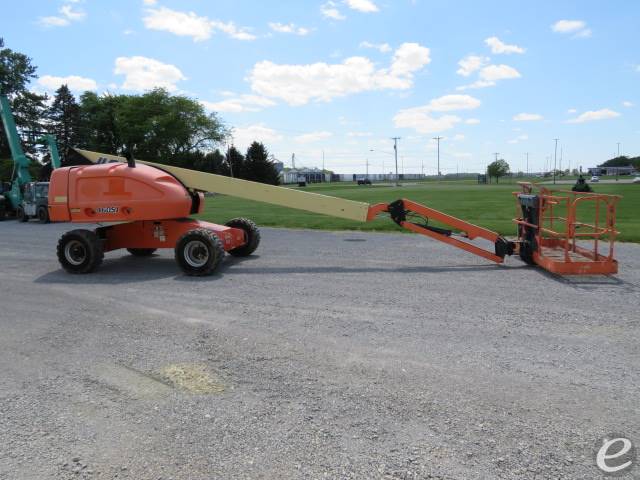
(258, 167)
(16, 71)
(235, 162)
(214, 162)
(64, 118)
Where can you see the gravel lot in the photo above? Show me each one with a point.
(325, 355)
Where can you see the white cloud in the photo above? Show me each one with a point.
(472, 121)
(568, 26)
(470, 64)
(330, 10)
(244, 136)
(453, 102)
(66, 17)
(493, 73)
(359, 134)
(382, 47)
(188, 24)
(576, 27)
(490, 74)
(592, 115)
(572, 110)
(239, 33)
(312, 137)
(458, 137)
(288, 28)
(527, 117)
(365, 6)
(149, 2)
(242, 103)
(627, 104)
(519, 139)
(422, 121)
(498, 47)
(322, 82)
(74, 82)
(142, 73)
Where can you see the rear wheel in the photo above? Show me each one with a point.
(80, 251)
(43, 215)
(21, 215)
(141, 252)
(252, 236)
(199, 252)
(3, 210)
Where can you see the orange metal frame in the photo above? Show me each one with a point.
(559, 230)
(164, 234)
(466, 230)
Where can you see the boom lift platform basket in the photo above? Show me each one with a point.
(565, 232)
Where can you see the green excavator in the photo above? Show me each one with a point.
(22, 197)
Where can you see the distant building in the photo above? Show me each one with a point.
(601, 171)
(310, 175)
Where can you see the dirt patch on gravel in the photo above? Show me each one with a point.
(194, 378)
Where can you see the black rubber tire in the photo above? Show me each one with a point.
(20, 215)
(199, 262)
(43, 215)
(80, 251)
(141, 252)
(252, 234)
(3, 210)
(526, 252)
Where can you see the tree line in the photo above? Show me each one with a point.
(155, 126)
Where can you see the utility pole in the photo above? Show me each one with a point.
(438, 140)
(395, 150)
(618, 149)
(367, 177)
(555, 161)
(229, 145)
(422, 167)
(561, 161)
(527, 154)
(293, 161)
(323, 173)
(488, 177)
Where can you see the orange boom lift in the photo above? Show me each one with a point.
(143, 206)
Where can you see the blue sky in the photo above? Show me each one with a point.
(344, 76)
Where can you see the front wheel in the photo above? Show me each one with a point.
(251, 233)
(21, 214)
(199, 252)
(43, 215)
(80, 251)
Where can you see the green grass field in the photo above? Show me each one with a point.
(490, 206)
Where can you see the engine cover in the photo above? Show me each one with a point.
(115, 192)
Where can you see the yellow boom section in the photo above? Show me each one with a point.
(260, 192)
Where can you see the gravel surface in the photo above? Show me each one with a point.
(325, 355)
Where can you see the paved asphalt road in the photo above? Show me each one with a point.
(325, 355)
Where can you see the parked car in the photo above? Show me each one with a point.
(364, 181)
(636, 179)
(595, 179)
